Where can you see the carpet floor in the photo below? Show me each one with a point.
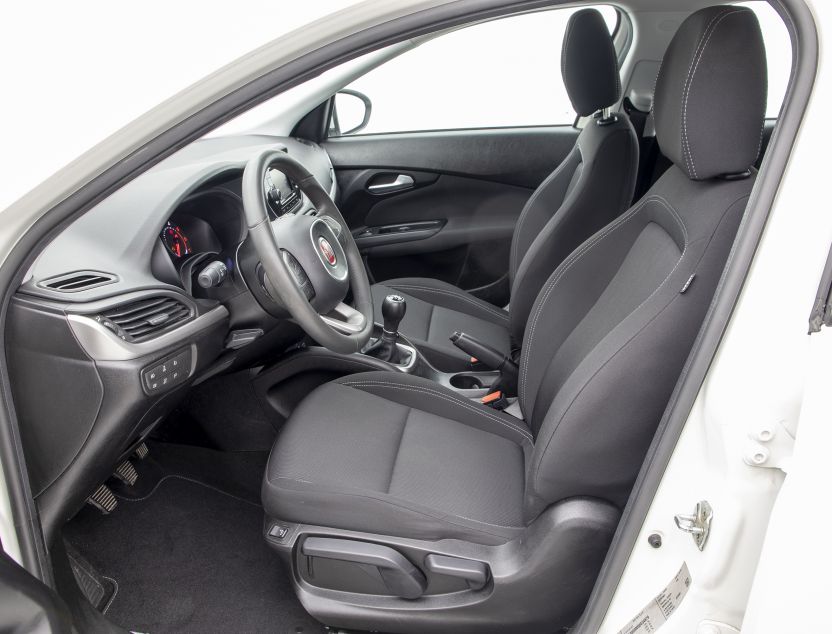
(185, 547)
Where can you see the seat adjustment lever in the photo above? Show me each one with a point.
(474, 572)
(401, 577)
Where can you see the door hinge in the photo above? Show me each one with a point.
(698, 524)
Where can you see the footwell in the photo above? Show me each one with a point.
(188, 556)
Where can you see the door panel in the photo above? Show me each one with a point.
(27, 605)
(443, 204)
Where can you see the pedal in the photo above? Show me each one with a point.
(142, 451)
(103, 499)
(127, 473)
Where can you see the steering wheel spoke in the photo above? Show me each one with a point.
(345, 319)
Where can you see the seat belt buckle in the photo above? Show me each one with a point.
(496, 400)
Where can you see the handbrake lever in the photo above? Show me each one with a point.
(492, 359)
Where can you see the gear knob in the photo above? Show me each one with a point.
(393, 309)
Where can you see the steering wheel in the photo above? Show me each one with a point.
(309, 261)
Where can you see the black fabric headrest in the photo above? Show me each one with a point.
(588, 63)
(710, 99)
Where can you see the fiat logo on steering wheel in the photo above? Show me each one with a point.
(327, 250)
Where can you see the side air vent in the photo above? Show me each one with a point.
(145, 318)
(77, 281)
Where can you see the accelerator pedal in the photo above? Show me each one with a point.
(142, 451)
(103, 499)
(127, 473)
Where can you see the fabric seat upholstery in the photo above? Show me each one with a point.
(590, 188)
(412, 458)
(606, 340)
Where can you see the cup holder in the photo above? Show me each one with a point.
(466, 382)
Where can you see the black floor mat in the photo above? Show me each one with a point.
(188, 556)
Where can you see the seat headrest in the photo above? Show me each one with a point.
(710, 99)
(588, 63)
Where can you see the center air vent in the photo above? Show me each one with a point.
(78, 281)
(144, 318)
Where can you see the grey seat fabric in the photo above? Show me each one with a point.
(400, 452)
(606, 341)
(590, 188)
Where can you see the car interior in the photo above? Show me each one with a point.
(397, 381)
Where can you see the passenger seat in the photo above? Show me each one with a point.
(588, 190)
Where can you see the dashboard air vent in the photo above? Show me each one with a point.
(77, 281)
(145, 318)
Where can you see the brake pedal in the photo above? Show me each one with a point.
(103, 499)
(127, 473)
(142, 451)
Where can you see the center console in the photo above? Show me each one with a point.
(390, 346)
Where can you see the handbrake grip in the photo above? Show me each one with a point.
(491, 358)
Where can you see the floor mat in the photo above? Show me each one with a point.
(190, 557)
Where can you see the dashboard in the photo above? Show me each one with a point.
(122, 236)
(123, 292)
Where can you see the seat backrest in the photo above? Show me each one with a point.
(612, 327)
(593, 184)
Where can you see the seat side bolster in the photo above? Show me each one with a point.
(545, 200)
(602, 192)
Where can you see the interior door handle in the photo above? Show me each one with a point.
(381, 185)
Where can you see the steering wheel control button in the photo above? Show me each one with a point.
(168, 373)
(326, 249)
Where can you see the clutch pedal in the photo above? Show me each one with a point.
(103, 499)
(127, 473)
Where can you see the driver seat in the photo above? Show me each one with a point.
(402, 506)
(589, 189)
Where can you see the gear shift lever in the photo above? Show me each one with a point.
(392, 310)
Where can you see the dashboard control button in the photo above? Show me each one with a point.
(171, 371)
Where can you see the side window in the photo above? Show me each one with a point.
(502, 73)
(778, 53)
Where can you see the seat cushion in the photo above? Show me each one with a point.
(392, 454)
(435, 310)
